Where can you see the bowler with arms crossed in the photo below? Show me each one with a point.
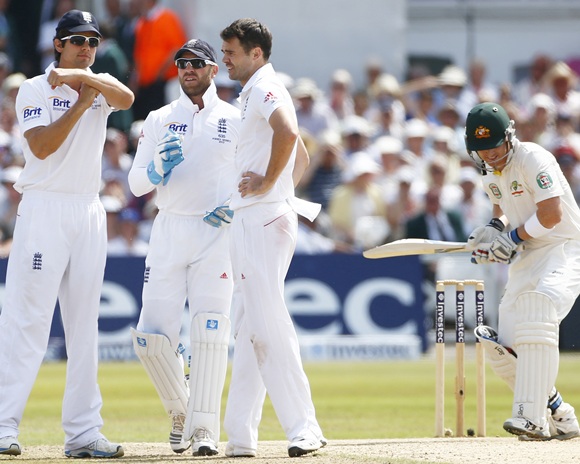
(536, 230)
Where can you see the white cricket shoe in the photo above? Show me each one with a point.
(304, 445)
(178, 444)
(9, 446)
(235, 451)
(563, 425)
(101, 448)
(202, 444)
(523, 426)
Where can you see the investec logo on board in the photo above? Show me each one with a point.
(59, 104)
(177, 127)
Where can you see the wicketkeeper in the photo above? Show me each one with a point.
(536, 230)
(186, 153)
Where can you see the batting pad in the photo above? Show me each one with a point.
(536, 340)
(501, 360)
(210, 335)
(164, 366)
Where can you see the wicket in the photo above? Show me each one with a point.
(459, 285)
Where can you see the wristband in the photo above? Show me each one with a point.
(534, 228)
(497, 224)
(515, 237)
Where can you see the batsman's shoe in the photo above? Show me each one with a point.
(234, 451)
(523, 426)
(9, 446)
(101, 448)
(563, 425)
(202, 444)
(304, 445)
(178, 444)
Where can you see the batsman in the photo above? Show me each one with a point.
(535, 229)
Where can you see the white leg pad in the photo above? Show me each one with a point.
(536, 340)
(501, 359)
(165, 368)
(210, 335)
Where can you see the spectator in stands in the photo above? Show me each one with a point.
(533, 82)
(478, 89)
(128, 242)
(313, 112)
(159, 33)
(8, 207)
(474, 206)
(569, 161)
(562, 84)
(356, 207)
(47, 31)
(117, 162)
(356, 132)
(326, 168)
(341, 94)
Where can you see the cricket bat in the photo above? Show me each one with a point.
(415, 246)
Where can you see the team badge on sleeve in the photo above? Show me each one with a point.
(544, 180)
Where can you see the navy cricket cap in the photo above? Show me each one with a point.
(200, 48)
(78, 21)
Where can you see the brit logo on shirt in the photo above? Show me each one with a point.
(544, 180)
(177, 127)
(31, 112)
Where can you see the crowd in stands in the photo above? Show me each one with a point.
(388, 159)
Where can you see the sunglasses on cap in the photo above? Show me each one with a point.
(80, 40)
(196, 63)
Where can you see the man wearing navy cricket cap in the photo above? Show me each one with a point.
(186, 154)
(60, 239)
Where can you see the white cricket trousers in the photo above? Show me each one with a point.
(266, 350)
(187, 259)
(59, 250)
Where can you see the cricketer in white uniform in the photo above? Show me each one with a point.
(531, 196)
(60, 240)
(186, 153)
(266, 352)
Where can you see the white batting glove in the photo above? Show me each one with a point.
(504, 247)
(480, 255)
(486, 233)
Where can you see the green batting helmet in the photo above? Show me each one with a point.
(487, 126)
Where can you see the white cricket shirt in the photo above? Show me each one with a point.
(533, 175)
(260, 97)
(206, 177)
(75, 167)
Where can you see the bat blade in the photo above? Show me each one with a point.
(414, 246)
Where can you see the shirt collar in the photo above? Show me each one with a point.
(209, 98)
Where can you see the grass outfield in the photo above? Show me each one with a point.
(355, 400)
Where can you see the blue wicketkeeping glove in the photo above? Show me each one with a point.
(168, 154)
(219, 217)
